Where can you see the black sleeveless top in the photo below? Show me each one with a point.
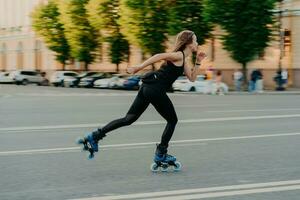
(165, 76)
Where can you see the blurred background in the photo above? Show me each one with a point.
(110, 35)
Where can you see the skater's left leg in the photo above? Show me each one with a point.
(139, 105)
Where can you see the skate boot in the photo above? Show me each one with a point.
(90, 142)
(164, 161)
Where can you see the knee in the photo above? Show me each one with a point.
(173, 120)
(129, 119)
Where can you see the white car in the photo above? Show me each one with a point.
(27, 76)
(5, 77)
(200, 85)
(57, 79)
(116, 81)
(183, 84)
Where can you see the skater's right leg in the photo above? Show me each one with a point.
(137, 108)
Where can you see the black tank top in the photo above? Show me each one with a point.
(166, 75)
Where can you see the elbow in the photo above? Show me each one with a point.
(158, 55)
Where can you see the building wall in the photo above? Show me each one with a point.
(295, 57)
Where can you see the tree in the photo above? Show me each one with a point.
(45, 22)
(247, 24)
(187, 15)
(103, 16)
(81, 36)
(144, 23)
(119, 49)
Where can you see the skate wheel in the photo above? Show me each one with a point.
(91, 156)
(177, 166)
(164, 169)
(80, 141)
(154, 167)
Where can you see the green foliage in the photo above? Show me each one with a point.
(75, 28)
(119, 49)
(104, 16)
(143, 22)
(247, 25)
(45, 22)
(82, 37)
(187, 15)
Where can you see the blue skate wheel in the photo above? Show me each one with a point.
(154, 167)
(79, 141)
(177, 166)
(91, 156)
(164, 168)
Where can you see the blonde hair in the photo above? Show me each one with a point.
(183, 38)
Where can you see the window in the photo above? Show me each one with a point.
(70, 74)
(29, 73)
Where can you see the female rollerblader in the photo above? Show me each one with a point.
(153, 91)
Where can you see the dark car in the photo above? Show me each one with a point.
(89, 81)
(74, 81)
(132, 83)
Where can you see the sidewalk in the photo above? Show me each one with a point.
(289, 91)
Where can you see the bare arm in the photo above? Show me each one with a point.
(156, 58)
(191, 72)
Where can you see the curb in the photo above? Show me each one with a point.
(247, 93)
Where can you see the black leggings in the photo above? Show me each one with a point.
(161, 102)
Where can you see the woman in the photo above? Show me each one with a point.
(153, 90)
(219, 90)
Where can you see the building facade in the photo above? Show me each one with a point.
(20, 48)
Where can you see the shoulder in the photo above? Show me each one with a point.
(171, 56)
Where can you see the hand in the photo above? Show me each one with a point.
(132, 70)
(200, 56)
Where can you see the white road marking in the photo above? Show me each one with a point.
(201, 106)
(142, 144)
(199, 193)
(49, 94)
(254, 110)
(230, 193)
(152, 122)
(87, 94)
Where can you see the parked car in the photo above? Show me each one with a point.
(73, 81)
(58, 77)
(131, 82)
(90, 80)
(5, 77)
(116, 81)
(25, 77)
(200, 85)
(183, 84)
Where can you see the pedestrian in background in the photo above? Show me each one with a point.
(218, 81)
(209, 73)
(284, 76)
(253, 78)
(238, 79)
(259, 81)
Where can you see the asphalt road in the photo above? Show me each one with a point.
(233, 147)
